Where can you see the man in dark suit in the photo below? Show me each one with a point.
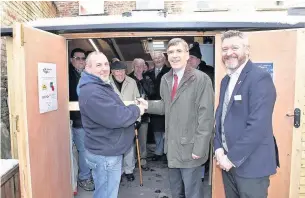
(157, 122)
(244, 144)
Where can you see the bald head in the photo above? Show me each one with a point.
(97, 64)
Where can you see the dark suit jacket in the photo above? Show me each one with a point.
(74, 77)
(248, 123)
(209, 70)
(157, 121)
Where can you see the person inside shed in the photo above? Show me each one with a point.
(187, 101)
(127, 90)
(109, 125)
(146, 88)
(114, 60)
(157, 122)
(196, 62)
(77, 60)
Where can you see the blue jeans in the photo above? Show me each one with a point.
(78, 138)
(159, 139)
(106, 172)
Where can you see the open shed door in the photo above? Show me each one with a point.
(282, 52)
(43, 138)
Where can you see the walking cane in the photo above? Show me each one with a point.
(139, 159)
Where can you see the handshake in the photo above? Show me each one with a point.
(142, 104)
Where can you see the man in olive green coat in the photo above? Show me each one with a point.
(187, 100)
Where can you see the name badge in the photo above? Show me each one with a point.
(237, 97)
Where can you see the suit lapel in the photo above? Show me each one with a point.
(169, 79)
(124, 85)
(239, 83)
(223, 89)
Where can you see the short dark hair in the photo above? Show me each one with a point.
(77, 50)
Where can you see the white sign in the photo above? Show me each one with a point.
(47, 87)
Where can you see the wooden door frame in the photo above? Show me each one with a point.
(298, 133)
(18, 111)
(13, 118)
(136, 34)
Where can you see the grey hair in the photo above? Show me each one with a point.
(156, 53)
(235, 33)
(177, 41)
(137, 60)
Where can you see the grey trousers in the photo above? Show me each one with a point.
(159, 139)
(142, 134)
(129, 161)
(186, 182)
(239, 187)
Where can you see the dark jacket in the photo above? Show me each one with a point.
(74, 77)
(108, 123)
(209, 70)
(157, 121)
(146, 89)
(248, 123)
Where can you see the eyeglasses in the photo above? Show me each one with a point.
(79, 58)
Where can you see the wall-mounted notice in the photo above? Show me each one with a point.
(266, 66)
(47, 87)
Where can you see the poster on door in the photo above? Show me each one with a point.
(267, 67)
(47, 87)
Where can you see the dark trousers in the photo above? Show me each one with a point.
(239, 187)
(186, 182)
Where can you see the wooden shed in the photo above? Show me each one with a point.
(41, 139)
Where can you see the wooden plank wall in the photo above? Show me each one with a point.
(10, 184)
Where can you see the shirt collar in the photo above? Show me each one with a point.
(179, 72)
(158, 69)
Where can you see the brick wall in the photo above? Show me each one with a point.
(20, 11)
(67, 8)
(70, 8)
(117, 8)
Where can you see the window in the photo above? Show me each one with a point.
(150, 45)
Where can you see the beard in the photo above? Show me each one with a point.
(233, 63)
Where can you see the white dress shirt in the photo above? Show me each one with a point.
(179, 73)
(234, 78)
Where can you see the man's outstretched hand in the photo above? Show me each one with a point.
(142, 102)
